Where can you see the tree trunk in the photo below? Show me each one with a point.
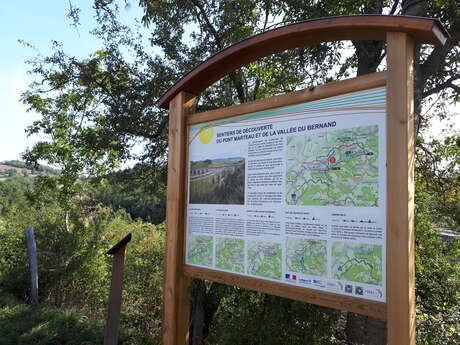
(370, 54)
(416, 8)
(362, 329)
(197, 316)
(205, 302)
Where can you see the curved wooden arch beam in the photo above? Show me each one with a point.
(360, 27)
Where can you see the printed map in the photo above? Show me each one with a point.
(200, 250)
(230, 254)
(360, 263)
(306, 256)
(336, 168)
(264, 259)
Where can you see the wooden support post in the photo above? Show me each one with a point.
(33, 264)
(400, 191)
(113, 317)
(176, 299)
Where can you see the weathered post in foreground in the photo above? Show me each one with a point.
(113, 317)
(32, 254)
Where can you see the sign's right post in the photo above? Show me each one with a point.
(400, 190)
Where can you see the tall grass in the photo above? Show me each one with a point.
(23, 325)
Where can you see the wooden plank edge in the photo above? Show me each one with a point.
(175, 295)
(440, 33)
(368, 81)
(313, 31)
(325, 299)
(401, 299)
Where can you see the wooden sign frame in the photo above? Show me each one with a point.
(400, 33)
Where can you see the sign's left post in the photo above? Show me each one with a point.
(176, 296)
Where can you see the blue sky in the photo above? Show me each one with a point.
(38, 23)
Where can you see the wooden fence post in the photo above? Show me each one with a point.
(113, 317)
(33, 263)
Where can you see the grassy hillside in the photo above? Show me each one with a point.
(22, 325)
(15, 167)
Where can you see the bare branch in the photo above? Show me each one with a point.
(211, 28)
(394, 7)
(447, 84)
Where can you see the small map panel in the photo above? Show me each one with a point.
(264, 259)
(361, 263)
(230, 254)
(200, 250)
(306, 256)
(335, 168)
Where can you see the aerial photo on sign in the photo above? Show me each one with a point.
(293, 195)
(217, 181)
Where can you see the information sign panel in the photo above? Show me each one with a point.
(295, 195)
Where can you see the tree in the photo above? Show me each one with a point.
(94, 109)
(119, 192)
(74, 272)
(108, 99)
(436, 70)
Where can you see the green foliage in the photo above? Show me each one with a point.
(62, 253)
(14, 195)
(126, 190)
(438, 175)
(437, 266)
(437, 275)
(93, 110)
(438, 286)
(13, 205)
(73, 268)
(23, 165)
(249, 318)
(143, 284)
(13, 275)
(22, 325)
(438, 328)
(210, 26)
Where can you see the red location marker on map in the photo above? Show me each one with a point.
(332, 160)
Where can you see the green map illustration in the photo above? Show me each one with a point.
(264, 259)
(200, 250)
(337, 168)
(306, 256)
(230, 254)
(361, 263)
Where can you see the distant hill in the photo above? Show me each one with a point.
(16, 167)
